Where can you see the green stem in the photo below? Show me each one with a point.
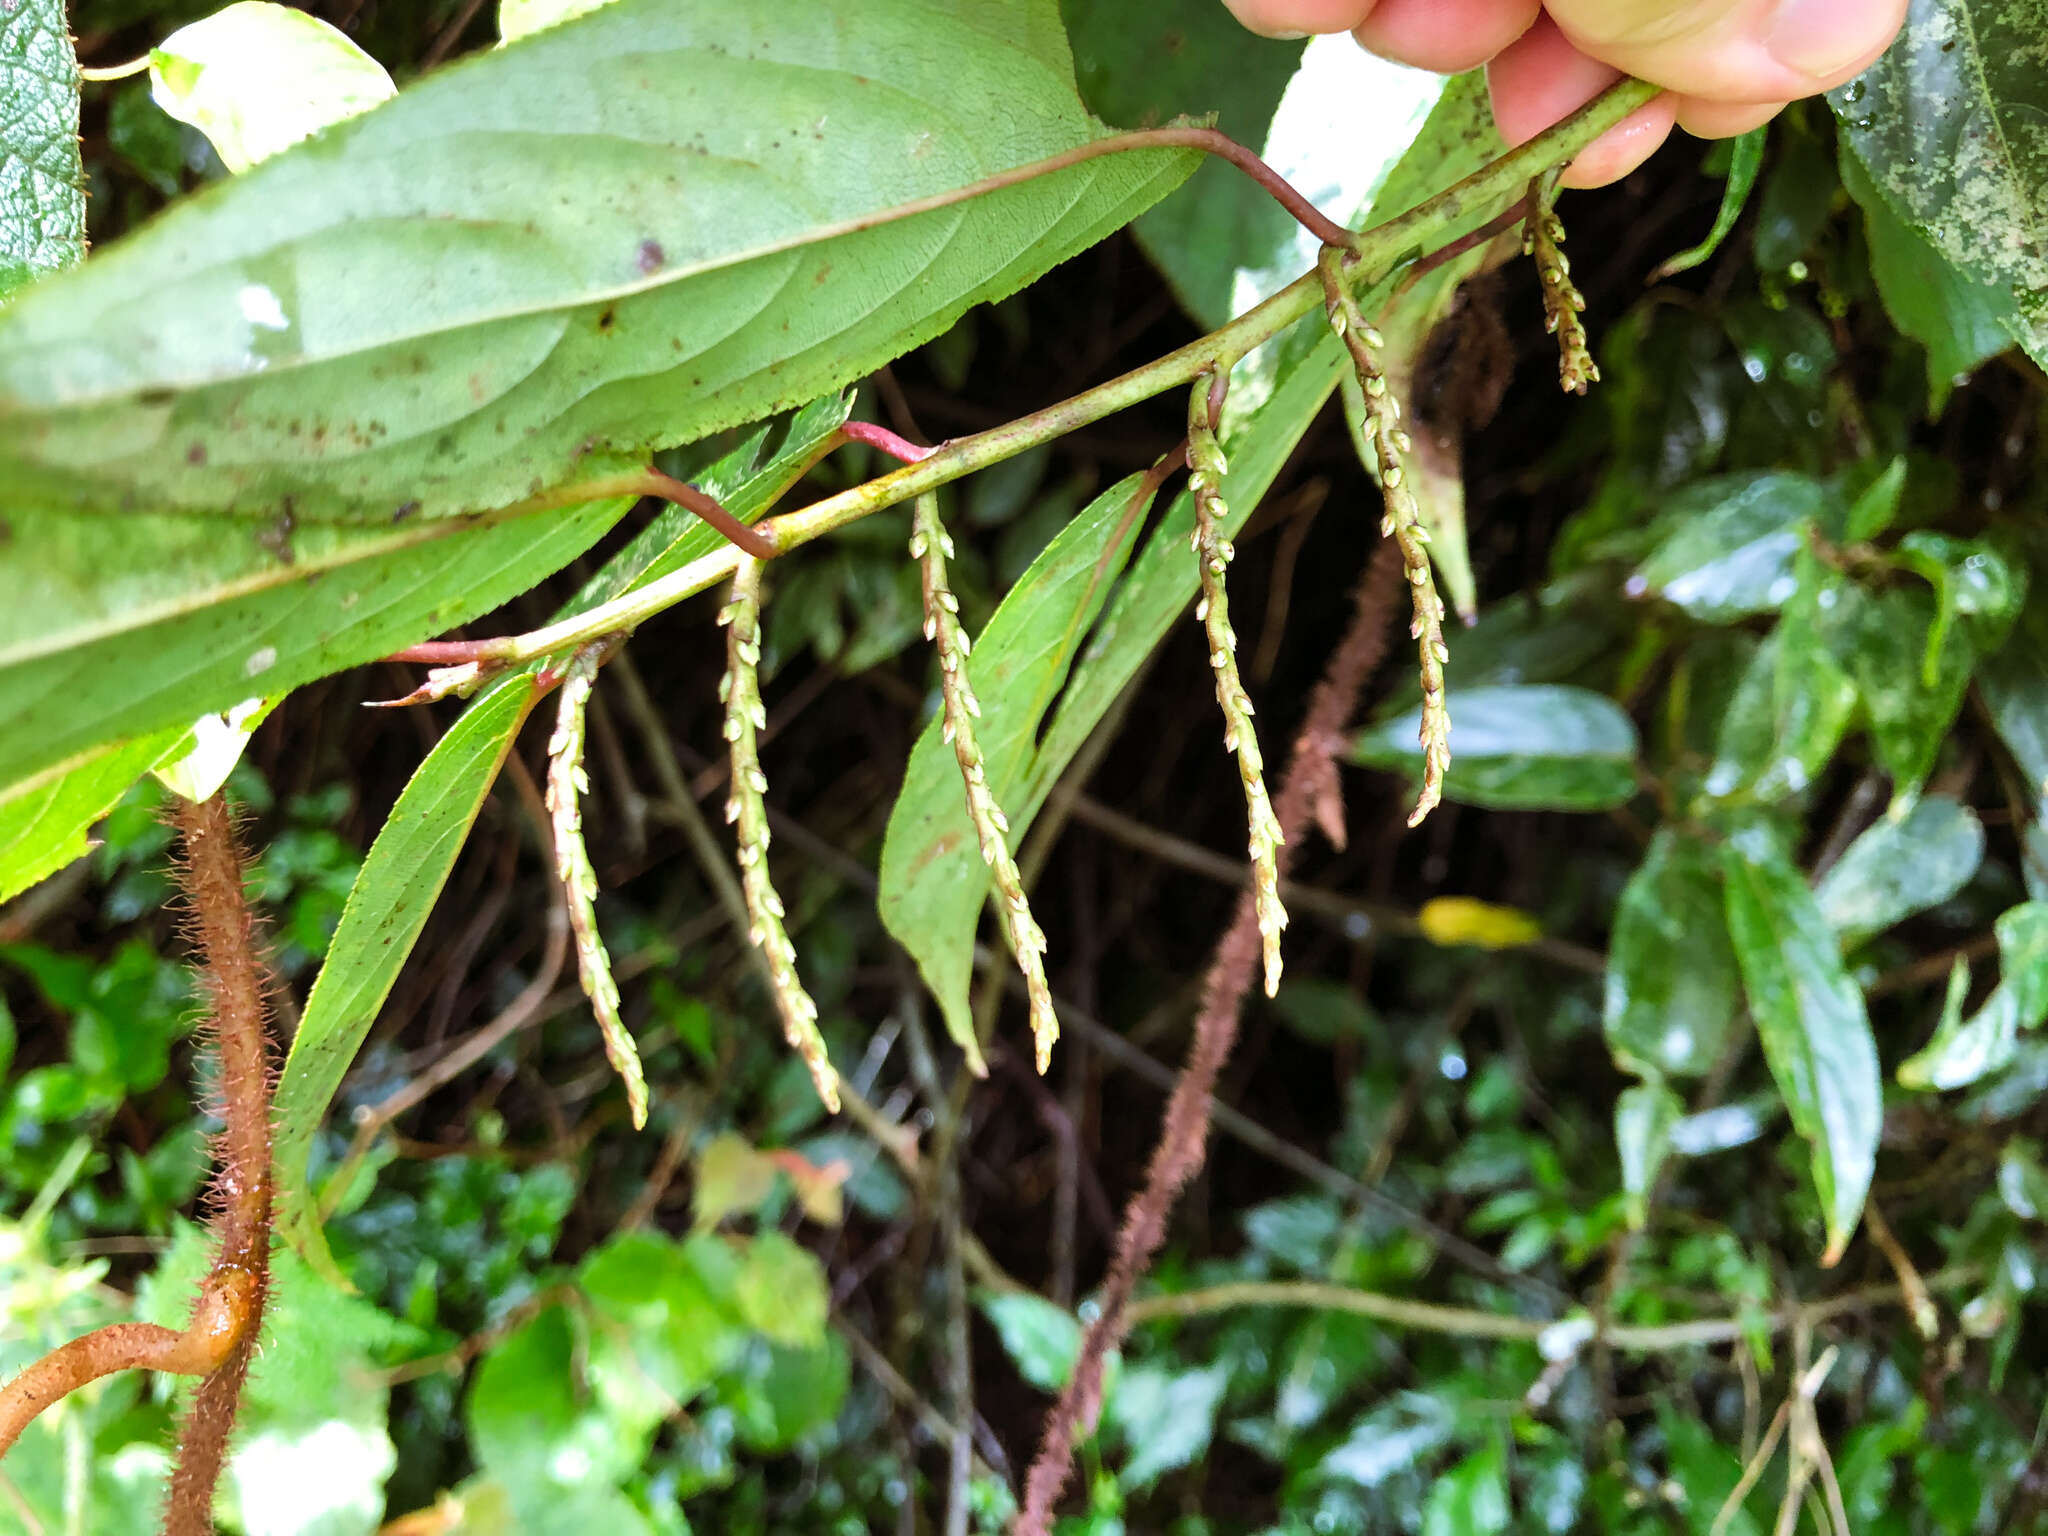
(1376, 254)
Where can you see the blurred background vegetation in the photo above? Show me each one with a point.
(1766, 589)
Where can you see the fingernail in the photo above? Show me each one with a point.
(1821, 38)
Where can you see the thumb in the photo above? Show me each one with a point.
(1733, 50)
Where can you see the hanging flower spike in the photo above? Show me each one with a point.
(567, 784)
(1542, 234)
(929, 546)
(1206, 469)
(1403, 521)
(746, 807)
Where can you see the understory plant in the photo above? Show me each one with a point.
(544, 341)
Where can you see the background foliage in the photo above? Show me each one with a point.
(1707, 1007)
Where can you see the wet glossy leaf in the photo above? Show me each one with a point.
(1963, 1051)
(1792, 705)
(1809, 1016)
(1644, 1117)
(1961, 321)
(1672, 988)
(1948, 124)
(1898, 868)
(1732, 545)
(714, 246)
(1911, 669)
(256, 78)
(1877, 504)
(42, 186)
(1793, 206)
(1541, 747)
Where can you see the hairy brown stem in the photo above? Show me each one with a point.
(219, 1341)
(1182, 1138)
(236, 978)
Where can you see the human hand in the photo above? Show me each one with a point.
(1726, 65)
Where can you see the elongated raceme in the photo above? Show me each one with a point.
(1402, 522)
(929, 546)
(1542, 234)
(567, 784)
(747, 809)
(1206, 469)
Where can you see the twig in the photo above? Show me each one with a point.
(1182, 1138)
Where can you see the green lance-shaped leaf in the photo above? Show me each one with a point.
(1963, 1051)
(1745, 159)
(42, 185)
(1402, 522)
(1206, 469)
(45, 829)
(747, 809)
(1542, 236)
(929, 546)
(1809, 1015)
(567, 783)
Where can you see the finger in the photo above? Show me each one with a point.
(1748, 51)
(1447, 36)
(1297, 18)
(1724, 119)
(1541, 78)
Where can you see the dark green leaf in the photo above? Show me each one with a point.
(1472, 1498)
(42, 186)
(1948, 123)
(1877, 504)
(1140, 68)
(1962, 1051)
(1745, 157)
(1911, 670)
(1793, 207)
(1792, 705)
(1732, 545)
(1673, 988)
(1959, 320)
(1541, 747)
(2015, 687)
(1898, 868)
(1809, 1016)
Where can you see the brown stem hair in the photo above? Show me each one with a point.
(227, 1318)
(1310, 781)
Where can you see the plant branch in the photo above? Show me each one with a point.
(1380, 250)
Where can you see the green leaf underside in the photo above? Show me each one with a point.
(1535, 747)
(1809, 1015)
(1672, 986)
(389, 314)
(42, 831)
(932, 875)
(414, 852)
(387, 907)
(42, 185)
(1952, 125)
(193, 642)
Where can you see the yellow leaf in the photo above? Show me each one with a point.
(1453, 920)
